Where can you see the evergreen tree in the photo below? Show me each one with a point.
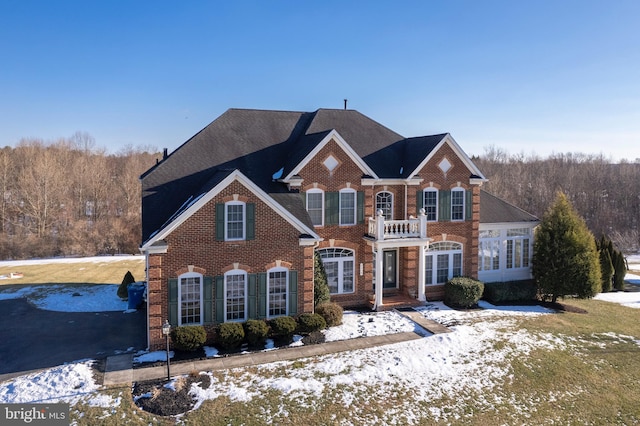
(620, 266)
(123, 291)
(320, 287)
(565, 258)
(606, 268)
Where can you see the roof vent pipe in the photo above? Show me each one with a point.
(165, 153)
(345, 104)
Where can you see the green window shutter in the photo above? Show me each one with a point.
(207, 293)
(251, 221)
(468, 200)
(419, 200)
(444, 206)
(360, 206)
(293, 292)
(262, 295)
(252, 298)
(219, 300)
(173, 301)
(220, 222)
(331, 208)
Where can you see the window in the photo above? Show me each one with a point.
(234, 219)
(190, 299)
(457, 204)
(347, 207)
(489, 250)
(430, 203)
(443, 261)
(518, 253)
(339, 266)
(315, 206)
(384, 202)
(277, 292)
(235, 289)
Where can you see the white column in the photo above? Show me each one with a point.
(379, 279)
(423, 223)
(421, 295)
(380, 225)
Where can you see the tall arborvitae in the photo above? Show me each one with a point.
(320, 287)
(606, 268)
(620, 266)
(565, 257)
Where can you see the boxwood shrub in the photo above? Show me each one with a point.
(331, 312)
(511, 291)
(230, 335)
(255, 332)
(308, 323)
(462, 292)
(188, 337)
(283, 327)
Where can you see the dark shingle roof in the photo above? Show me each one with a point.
(261, 142)
(496, 210)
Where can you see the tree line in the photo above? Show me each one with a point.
(70, 198)
(605, 195)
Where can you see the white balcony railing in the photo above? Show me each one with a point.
(381, 229)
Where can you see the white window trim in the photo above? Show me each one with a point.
(355, 206)
(246, 283)
(316, 191)
(244, 220)
(463, 204)
(286, 286)
(435, 190)
(180, 278)
(390, 194)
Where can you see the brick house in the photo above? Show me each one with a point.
(232, 218)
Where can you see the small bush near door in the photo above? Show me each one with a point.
(230, 335)
(462, 292)
(331, 312)
(256, 332)
(308, 323)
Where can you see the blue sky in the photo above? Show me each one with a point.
(524, 76)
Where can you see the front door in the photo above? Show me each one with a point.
(390, 266)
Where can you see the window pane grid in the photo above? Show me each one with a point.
(314, 207)
(347, 208)
(235, 297)
(190, 300)
(457, 205)
(431, 205)
(384, 202)
(277, 293)
(339, 265)
(235, 221)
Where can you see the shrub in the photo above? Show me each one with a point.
(188, 337)
(462, 292)
(331, 312)
(308, 323)
(320, 287)
(283, 327)
(230, 335)
(255, 332)
(123, 288)
(511, 291)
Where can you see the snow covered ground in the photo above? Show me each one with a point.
(471, 359)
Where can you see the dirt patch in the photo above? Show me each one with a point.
(168, 398)
(563, 307)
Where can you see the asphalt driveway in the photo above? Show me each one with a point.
(32, 338)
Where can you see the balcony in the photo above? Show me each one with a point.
(381, 230)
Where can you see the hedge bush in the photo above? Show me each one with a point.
(188, 337)
(230, 335)
(283, 327)
(255, 332)
(308, 323)
(511, 291)
(462, 292)
(331, 312)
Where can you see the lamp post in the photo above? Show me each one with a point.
(166, 329)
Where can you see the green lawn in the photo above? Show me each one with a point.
(110, 272)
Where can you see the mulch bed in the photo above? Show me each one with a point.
(157, 398)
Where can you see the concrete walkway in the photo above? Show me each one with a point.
(119, 367)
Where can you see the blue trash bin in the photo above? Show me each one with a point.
(135, 292)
